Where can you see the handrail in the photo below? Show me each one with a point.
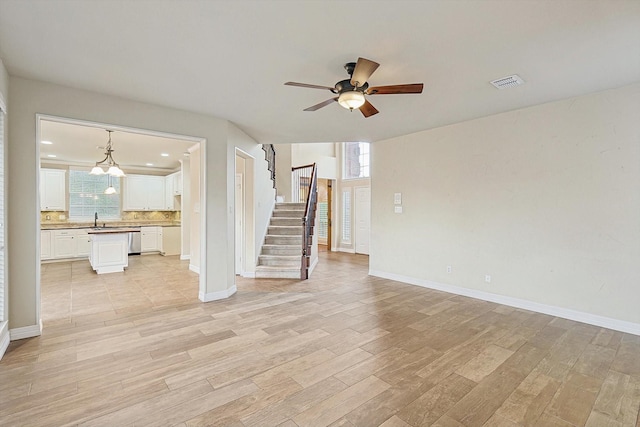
(305, 187)
(270, 157)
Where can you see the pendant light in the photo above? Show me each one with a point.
(110, 189)
(108, 162)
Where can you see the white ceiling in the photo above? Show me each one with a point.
(77, 144)
(230, 58)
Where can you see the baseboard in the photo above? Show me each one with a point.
(185, 257)
(249, 274)
(194, 268)
(4, 338)
(565, 313)
(345, 250)
(25, 332)
(313, 266)
(213, 296)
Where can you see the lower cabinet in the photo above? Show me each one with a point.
(151, 239)
(83, 243)
(64, 243)
(46, 250)
(171, 240)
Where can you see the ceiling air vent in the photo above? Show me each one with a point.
(509, 81)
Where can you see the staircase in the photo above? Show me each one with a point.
(281, 252)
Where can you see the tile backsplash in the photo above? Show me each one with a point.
(59, 216)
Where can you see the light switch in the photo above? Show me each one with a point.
(397, 198)
(397, 209)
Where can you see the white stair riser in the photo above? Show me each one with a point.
(292, 222)
(288, 214)
(277, 262)
(286, 231)
(278, 274)
(292, 206)
(281, 250)
(284, 240)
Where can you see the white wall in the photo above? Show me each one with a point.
(321, 153)
(546, 200)
(29, 98)
(4, 330)
(264, 195)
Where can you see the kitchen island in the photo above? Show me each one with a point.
(109, 249)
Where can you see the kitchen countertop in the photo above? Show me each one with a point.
(112, 230)
(108, 224)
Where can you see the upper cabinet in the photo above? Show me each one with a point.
(144, 193)
(176, 178)
(53, 192)
(173, 188)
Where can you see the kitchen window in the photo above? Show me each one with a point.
(86, 196)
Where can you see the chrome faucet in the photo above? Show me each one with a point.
(95, 220)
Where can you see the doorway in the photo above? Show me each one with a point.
(244, 215)
(78, 155)
(324, 212)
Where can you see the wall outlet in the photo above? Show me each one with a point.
(487, 278)
(63, 217)
(448, 269)
(48, 217)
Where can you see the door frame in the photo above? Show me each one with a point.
(202, 282)
(249, 258)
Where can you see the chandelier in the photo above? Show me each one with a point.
(112, 167)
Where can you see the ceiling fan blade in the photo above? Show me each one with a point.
(362, 72)
(367, 109)
(322, 104)
(310, 86)
(389, 90)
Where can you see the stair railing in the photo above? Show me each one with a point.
(270, 157)
(304, 186)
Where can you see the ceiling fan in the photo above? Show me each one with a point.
(351, 92)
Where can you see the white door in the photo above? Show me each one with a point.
(362, 216)
(239, 223)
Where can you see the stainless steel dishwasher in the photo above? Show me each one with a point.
(135, 245)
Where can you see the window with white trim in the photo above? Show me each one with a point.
(86, 196)
(356, 160)
(346, 216)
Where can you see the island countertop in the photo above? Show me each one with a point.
(112, 230)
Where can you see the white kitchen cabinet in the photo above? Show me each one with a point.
(171, 242)
(177, 183)
(45, 245)
(109, 252)
(150, 239)
(83, 242)
(172, 185)
(64, 244)
(144, 193)
(53, 191)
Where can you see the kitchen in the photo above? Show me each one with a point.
(104, 224)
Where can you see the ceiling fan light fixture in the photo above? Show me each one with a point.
(351, 100)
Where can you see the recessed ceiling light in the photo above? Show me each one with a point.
(46, 142)
(51, 155)
(149, 164)
(164, 154)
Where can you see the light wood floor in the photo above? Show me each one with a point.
(342, 349)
